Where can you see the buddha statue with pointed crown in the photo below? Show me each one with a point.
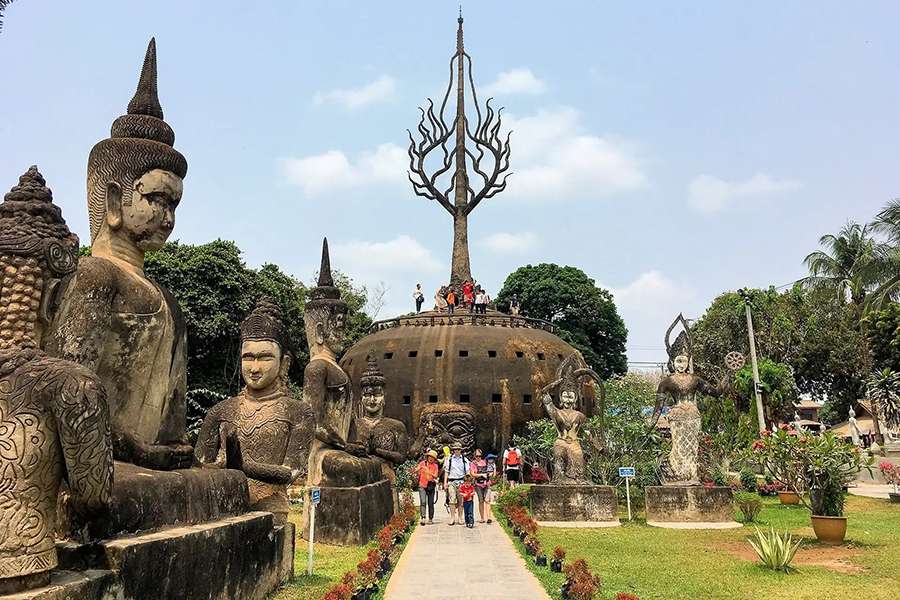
(333, 459)
(54, 425)
(110, 317)
(264, 431)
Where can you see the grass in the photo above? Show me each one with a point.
(669, 564)
(329, 565)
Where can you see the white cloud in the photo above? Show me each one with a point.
(512, 243)
(334, 170)
(709, 194)
(554, 157)
(515, 81)
(403, 254)
(355, 98)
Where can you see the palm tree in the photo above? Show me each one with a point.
(883, 389)
(847, 265)
(887, 263)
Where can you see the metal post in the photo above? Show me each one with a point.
(760, 415)
(312, 535)
(628, 497)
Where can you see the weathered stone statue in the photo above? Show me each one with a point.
(444, 424)
(54, 424)
(681, 388)
(568, 457)
(112, 319)
(333, 459)
(384, 438)
(264, 431)
(855, 433)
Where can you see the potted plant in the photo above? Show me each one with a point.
(822, 464)
(891, 474)
(559, 555)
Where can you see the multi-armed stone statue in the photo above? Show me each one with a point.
(54, 424)
(358, 497)
(264, 432)
(568, 457)
(113, 319)
(384, 438)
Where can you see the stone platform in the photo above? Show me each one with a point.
(350, 516)
(693, 507)
(594, 503)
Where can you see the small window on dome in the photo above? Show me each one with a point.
(526, 399)
(492, 354)
(388, 355)
(540, 356)
(413, 353)
(432, 398)
(520, 354)
(463, 353)
(496, 398)
(464, 398)
(438, 353)
(407, 400)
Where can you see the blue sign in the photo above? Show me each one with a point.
(626, 471)
(316, 495)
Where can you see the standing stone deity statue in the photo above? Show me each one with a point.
(264, 431)
(385, 439)
(54, 424)
(855, 433)
(111, 318)
(333, 459)
(568, 457)
(682, 388)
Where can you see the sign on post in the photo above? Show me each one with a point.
(627, 473)
(315, 496)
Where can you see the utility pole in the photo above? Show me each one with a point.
(760, 415)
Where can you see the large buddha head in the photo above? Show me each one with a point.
(36, 250)
(264, 357)
(325, 312)
(135, 176)
(372, 390)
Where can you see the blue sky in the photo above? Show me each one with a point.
(671, 151)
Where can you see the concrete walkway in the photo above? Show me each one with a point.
(871, 490)
(456, 563)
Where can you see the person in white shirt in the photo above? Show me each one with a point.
(479, 302)
(419, 297)
(456, 467)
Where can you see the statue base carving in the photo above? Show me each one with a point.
(350, 516)
(595, 503)
(72, 585)
(696, 507)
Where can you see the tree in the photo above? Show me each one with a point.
(887, 223)
(585, 314)
(883, 333)
(884, 391)
(779, 391)
(846, 266)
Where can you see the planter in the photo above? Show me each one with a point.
(529, 550)
(522, 535)
(564, 590)
(556, 566)
(540, 561)
(895, 497)
(385, 566)
(789, 498)
(360, 595)
(829, 530)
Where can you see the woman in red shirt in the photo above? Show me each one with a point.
(427, 473)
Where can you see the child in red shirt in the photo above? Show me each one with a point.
(467, 491)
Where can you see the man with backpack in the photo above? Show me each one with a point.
(512, 464)
(456, 467)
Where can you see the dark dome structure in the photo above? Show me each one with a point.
(495, 364)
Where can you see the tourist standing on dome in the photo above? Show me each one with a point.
(512, 463)
(468, 294)
(419, 297)
(451, 301)
(483, 470)
(427, 473)
(514, 307)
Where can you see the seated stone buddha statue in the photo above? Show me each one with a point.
(264, 431)
(333, 459)
(111, 318)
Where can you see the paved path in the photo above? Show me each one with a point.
(456, 563)
(871, 490)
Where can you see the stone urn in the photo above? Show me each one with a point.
(829, 530)
(788, 497)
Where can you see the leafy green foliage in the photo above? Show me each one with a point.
(405, 475)
(748, 480)
(749, 504)
(883, 335)
(884, 391)
(779, 391)
(512, 497)
(585, 314)
(775, 550)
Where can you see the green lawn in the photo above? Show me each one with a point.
(667, 564)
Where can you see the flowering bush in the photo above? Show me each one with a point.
(770, 489)
(341, 591)
(890, 472)
(559, 553)
(538, 475)
(822, 464)
(580, 582)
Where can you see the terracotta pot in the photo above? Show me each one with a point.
(789, 497)
(895, 497)
(829, 530)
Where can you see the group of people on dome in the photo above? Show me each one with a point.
(470, 296)
(463, 479)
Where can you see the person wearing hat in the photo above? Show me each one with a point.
(483, 471)
(456, 467)
(427, 472)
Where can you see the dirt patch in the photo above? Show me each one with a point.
(833, 558)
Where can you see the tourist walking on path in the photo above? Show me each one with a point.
(483, 470)
(419, 297)
(451, 301)
(456, 467)
(427, 473)
(512, 464)
(467, 493)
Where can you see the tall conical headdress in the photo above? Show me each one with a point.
(265, 323)
(32, 225)
(139, 141)
(372, 376)
(325, 294)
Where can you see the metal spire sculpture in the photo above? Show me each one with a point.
(447, 142)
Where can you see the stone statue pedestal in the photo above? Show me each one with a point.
(579, 503)
(690, 507)
(175, 534)
(350, 516)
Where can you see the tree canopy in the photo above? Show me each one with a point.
(585, 314)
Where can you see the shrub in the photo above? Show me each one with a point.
(749, 504)
(890, 472)
(775, 550)
(771, 488)
(559, 553)
(748, 480)
(719, 476)
(517, 496)
(405, 475)
(626, 596)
